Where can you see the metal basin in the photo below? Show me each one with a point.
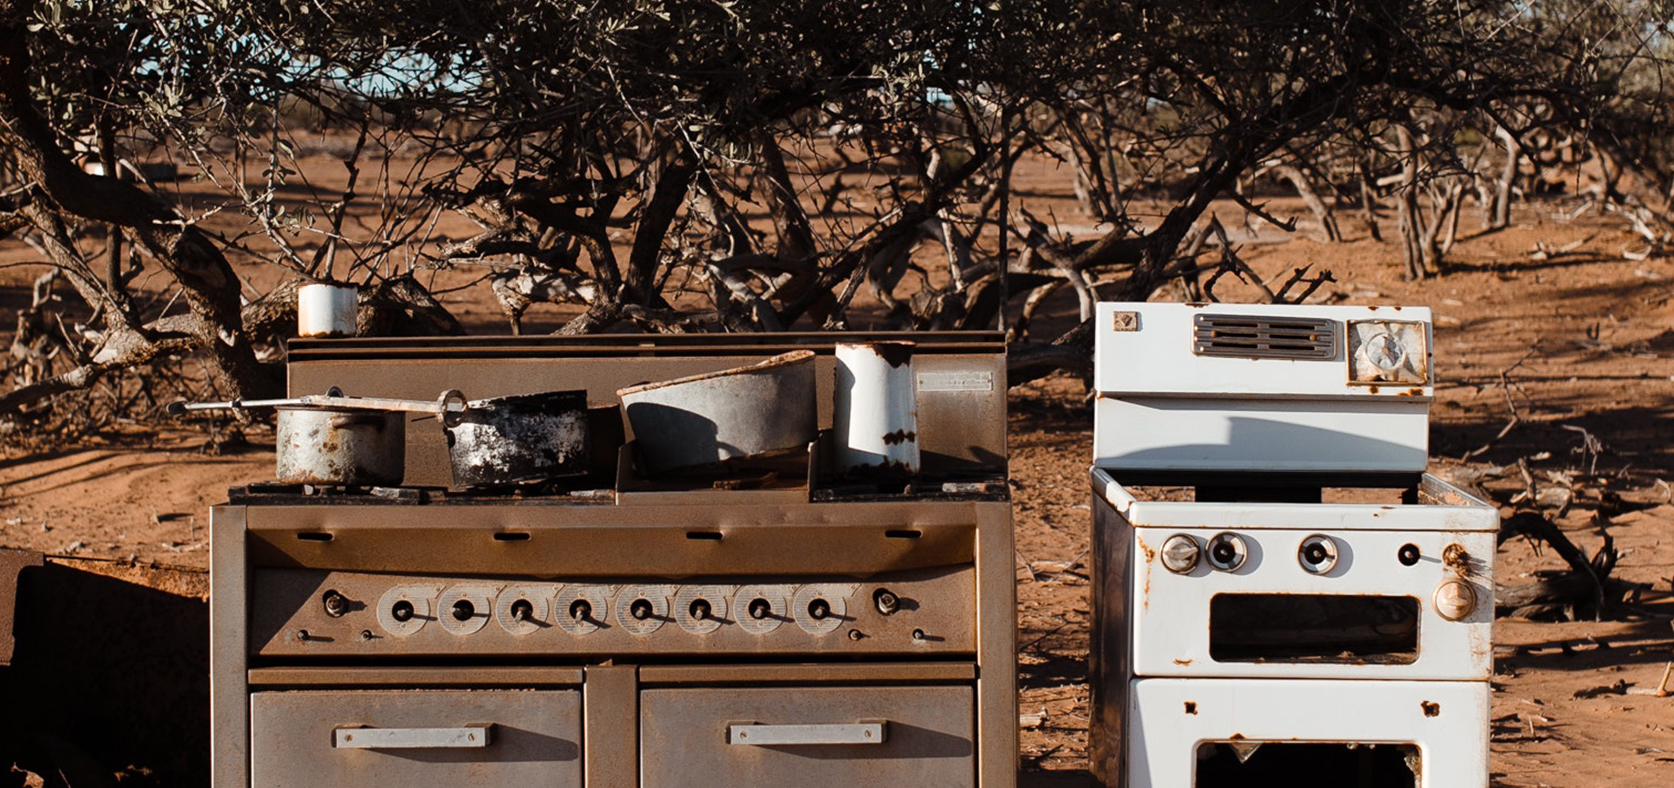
(736, 413)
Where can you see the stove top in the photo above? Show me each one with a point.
(711, 490)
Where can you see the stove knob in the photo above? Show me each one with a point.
(1318, 554)
(760, 609)
(1455, 599)
(821, 608)
(464, 609)
(1180, 553)
(336, 604)
(522, 610)
(1227, 552)
(640, 609)
(403, 610)
(701, 609)
(1408, 554)
(886, 601)
(582, 609)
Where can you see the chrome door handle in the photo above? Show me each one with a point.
(468, 736)
(776, 735)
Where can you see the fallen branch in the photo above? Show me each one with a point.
(1586, 588)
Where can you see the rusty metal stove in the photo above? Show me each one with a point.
(775, 626)
(1305, 606)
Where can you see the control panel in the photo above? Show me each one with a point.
(323, 613)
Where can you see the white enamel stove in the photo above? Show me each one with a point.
(1282, 596)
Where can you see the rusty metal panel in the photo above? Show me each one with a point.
(929, 737)
(997, 757)
(533, 738)
(12, 564)
(1109, 663)
(612, 726)
(229, 734)
(313, 613)
(603, 541)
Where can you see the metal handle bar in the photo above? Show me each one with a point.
(779, 735)
(468, 736)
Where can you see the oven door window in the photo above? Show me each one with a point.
(1308, 628)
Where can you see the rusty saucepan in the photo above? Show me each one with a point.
(523, 438)
(340, 446)
(338, 440)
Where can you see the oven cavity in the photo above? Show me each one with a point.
(1247, 764)
(1304, 628)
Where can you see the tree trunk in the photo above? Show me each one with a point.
(1305, 190)
(1368, 199)
(1408, 215)
(1500, 217)
(207, 281)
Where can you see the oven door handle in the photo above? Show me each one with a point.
(755, 735)
(463, 737)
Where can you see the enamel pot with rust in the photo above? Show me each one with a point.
(346, 446)
(525, 438)
(875, 408)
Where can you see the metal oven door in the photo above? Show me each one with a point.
(1247, 733)
(415, 738)
(809, 737)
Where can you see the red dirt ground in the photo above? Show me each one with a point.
(1578, 344)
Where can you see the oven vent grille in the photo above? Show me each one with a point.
(1248, 336)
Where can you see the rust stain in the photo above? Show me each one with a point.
(1191, 707)
(1150, 557)
(1431, 709)
(894, 354)
(1373, 389)
(1457, 558)
(1179, 661)
(899, 437)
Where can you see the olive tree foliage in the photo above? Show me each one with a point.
(726, 165)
